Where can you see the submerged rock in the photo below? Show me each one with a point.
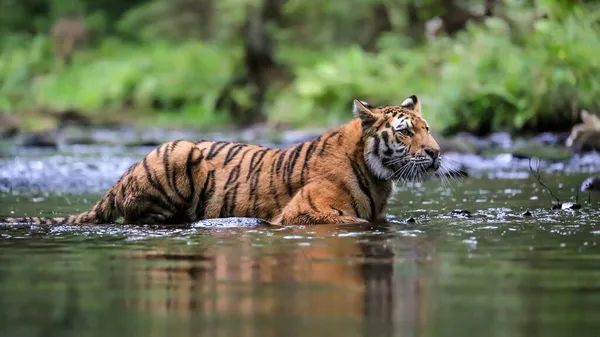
(40, 139)
(461, 212)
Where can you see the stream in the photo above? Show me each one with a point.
(484, 255)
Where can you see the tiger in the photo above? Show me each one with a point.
(343, 176)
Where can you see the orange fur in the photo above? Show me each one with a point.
(342, 176)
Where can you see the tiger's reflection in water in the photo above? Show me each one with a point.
(324, 279)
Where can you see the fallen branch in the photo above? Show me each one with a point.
(538, 176)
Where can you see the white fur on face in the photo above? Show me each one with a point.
(376, 148)
(402, 122)
(373, 158)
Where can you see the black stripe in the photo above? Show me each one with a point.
(158, 148)
(254, 191)
(338, 210)
(311, 203)
(231, 210)
(353, 201)
(189, 165)
(376, 146)
(256, 160)
(154, 200)
(171, 174)
(386, 142)
(289, 169)
(111, 205)
(206, 193)
(155, 184)
(224, 205)
(232, 152)
(233, 176)
(363, 184)
(307, 156)
(118, 205)
(325, 142)
(280, 160)
(229, 205)
(254, 181)
(215, 148)
(272, 188)
(165, 160)
(123, 190)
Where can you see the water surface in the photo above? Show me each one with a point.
(429, 272)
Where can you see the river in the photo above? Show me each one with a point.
(482, 256)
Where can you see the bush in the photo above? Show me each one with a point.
(141, 76)
(480, 80)
(21, 62)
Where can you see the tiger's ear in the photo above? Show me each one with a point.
(363, 111)
(412, 103)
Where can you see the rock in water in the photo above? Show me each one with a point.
(461, 212)
(570, 205)
(232, 222)
(590, 184)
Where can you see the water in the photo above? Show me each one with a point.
(493, 273)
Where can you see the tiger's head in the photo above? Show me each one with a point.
(398, 143)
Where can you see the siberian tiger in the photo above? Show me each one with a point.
(343, 176)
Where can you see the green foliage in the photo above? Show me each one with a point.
(489, 76)
(20, 65)
(479, 80)
(187, 76)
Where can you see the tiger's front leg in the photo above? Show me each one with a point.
(318, 204)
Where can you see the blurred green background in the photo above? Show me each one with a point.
(478, 66)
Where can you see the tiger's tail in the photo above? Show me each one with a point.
(104, 211)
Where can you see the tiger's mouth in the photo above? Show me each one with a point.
(412, 169)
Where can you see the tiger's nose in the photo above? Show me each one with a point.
(432, 152)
